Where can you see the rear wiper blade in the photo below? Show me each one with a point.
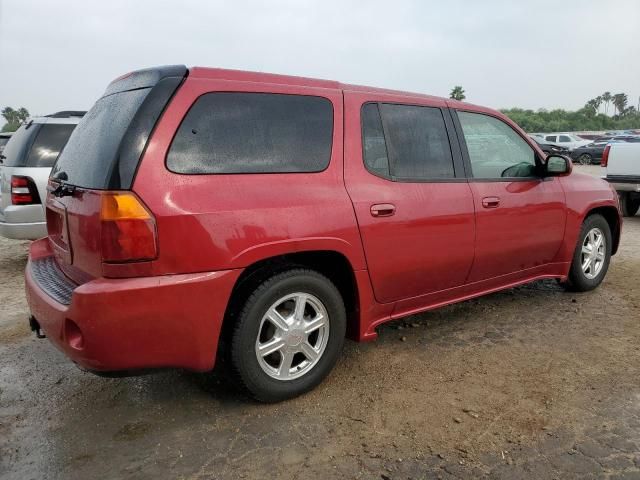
(63, 190)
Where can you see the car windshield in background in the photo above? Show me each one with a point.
(89, 157)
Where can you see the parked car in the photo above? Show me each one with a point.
(592, 153)
(271, 215)
(4, 139)
(567, 140)
(548, 148)
(24, 172)
(621, 168)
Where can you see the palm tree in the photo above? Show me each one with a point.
(620, 102)
(457, 93)
(606, 98)
(598, 102)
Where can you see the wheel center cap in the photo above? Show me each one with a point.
(294, 339)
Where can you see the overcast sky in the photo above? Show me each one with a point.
(60, 55)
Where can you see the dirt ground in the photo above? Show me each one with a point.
(531, 382)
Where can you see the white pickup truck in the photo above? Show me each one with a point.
(621, 168)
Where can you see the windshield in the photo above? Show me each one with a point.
(90, 156)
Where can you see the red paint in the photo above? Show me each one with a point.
(412, 246)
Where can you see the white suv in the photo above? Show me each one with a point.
(567, 140)
(25, 164)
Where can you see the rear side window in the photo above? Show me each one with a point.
(48, 144)
(551, 138)
(253, 133)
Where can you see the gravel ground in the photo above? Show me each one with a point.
(531, 382)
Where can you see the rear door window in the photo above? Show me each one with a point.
(253, 133)
(373, 142)
(406, 142)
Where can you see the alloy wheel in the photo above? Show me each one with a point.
(593, 253)
(292, 337)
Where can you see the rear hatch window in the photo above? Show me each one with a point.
(104, 151)
(37, 145)
(90, 155)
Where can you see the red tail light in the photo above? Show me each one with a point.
(128, 230)
(605, 156)
(23, 191)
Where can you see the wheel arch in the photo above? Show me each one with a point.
(330, 263)
(612, 216)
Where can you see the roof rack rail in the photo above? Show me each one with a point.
(66, 114)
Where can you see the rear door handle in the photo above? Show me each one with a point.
(383, 210)
(490, 202)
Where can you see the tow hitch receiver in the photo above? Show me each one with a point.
(35, 327)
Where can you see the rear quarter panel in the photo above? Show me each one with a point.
(216, 222)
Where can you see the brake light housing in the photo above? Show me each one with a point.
(24, 191)
(605, 156)
(128, 229)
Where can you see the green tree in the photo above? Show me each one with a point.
(14, 118)
(619, 101)
(457, 93)
(606, 98)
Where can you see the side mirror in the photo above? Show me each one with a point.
(558, 166)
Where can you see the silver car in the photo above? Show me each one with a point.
(25, 164)
(4, 139)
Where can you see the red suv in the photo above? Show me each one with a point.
(271, 215)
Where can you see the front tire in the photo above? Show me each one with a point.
(592, 255)
(288, 336)
(630, 204)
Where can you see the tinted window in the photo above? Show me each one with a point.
(48, 143)
(91, 153)
(495, 149)
(253, 133)
(564, 138)
(3, 141)
(417, 142)
(18, 146)
(551, 138)
(374, 147)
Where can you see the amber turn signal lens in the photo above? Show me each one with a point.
(122, 206)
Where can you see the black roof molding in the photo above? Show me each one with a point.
(145, 78)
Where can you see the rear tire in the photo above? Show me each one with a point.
(592, 255)
(630, 204)
(299, 317)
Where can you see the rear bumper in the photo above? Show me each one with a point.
(622, 183)
(23, 231)
(135, 323)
